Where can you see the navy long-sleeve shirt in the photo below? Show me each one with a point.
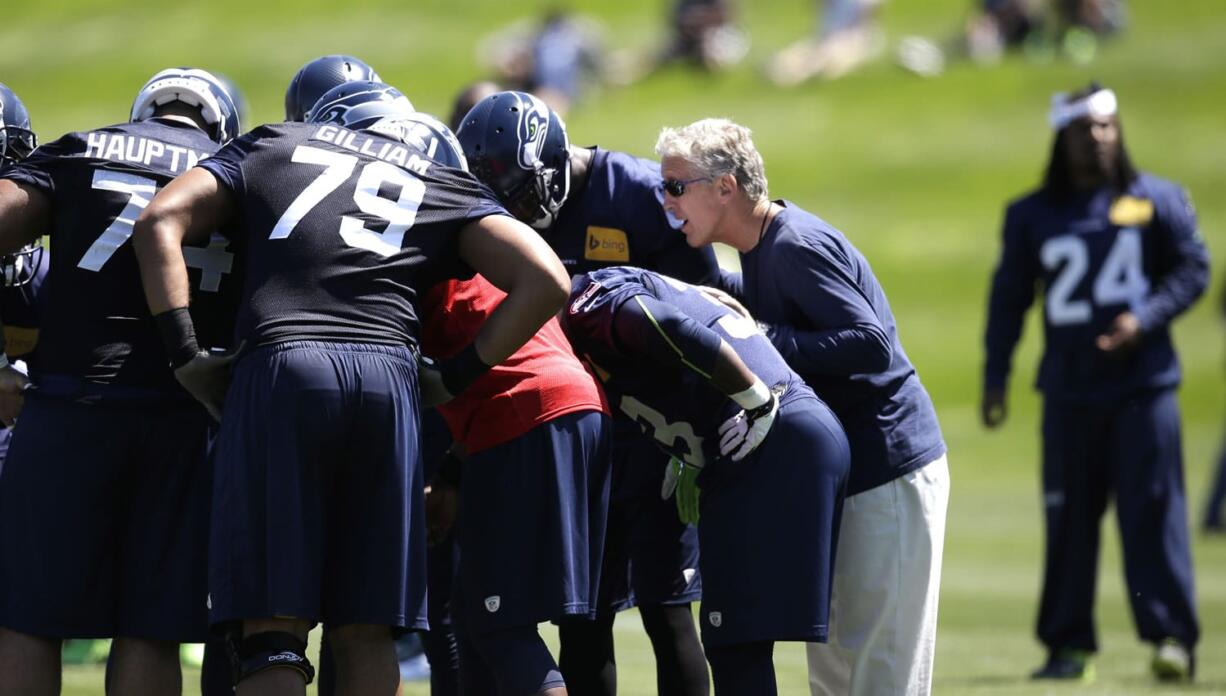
(617, 218)
(829, 318)
(1094, 256)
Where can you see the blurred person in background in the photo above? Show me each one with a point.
(1213, 521)
(559, 57)
(467, 98)
(1038, 27)
(818, 301)
(598, 208)
(701, 33)
(1119, 254)
(846, 38)
(705, 34)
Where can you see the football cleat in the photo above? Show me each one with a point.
(1067, 664)
(1173, 662)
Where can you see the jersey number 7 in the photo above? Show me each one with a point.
(213, 260)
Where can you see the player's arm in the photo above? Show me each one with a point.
(517, 261)
(655, 330)
(1186, 264)
(1012, 293)
(186, 211)
(24, 213)
(851, 340)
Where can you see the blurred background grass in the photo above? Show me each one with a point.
(915, 171)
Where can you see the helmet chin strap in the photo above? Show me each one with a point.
(544, 222)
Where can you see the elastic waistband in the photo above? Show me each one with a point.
(395, 351)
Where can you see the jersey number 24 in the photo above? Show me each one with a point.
(1120, 280)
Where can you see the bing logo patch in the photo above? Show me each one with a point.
(1128, 211)
(606, 244)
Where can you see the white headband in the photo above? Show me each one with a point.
(1098, 104)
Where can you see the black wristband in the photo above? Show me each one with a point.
(178, 336)
(450, 470)
(461, 369)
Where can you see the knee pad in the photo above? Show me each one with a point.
(257, 652)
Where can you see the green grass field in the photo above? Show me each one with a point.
(915, 171)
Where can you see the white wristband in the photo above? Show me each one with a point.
(756, 395)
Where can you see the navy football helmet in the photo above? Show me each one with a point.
(518, 146)
(317, 77)
(194, 87)
(425, 134)
(360, 105)
(17, 140)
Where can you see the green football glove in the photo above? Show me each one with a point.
(687, 494)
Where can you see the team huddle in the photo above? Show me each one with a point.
(357, 370)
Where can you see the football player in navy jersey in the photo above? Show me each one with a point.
(706, 386)
(824, 311)
(598, 208)
(110, 541)
(317, 77)
(24, 272)
(1214, 519)
(318, 483)
(1120, 256)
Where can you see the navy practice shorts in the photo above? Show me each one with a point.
(318, 510)
(532, 526)
(768, 527)
(651, 557)
(104, 520)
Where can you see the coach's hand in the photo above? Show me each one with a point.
(743, 432)
(992, 408)
(207, 377)
(12, 394)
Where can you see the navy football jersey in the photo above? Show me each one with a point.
(339, 228)
(618, 219)
(97, 325)
(22, 304)
(1097, 255)
(678, 408)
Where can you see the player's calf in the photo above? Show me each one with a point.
(270, 657)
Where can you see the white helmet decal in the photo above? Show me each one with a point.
(533, 127)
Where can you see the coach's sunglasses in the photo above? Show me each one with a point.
(676, 187)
